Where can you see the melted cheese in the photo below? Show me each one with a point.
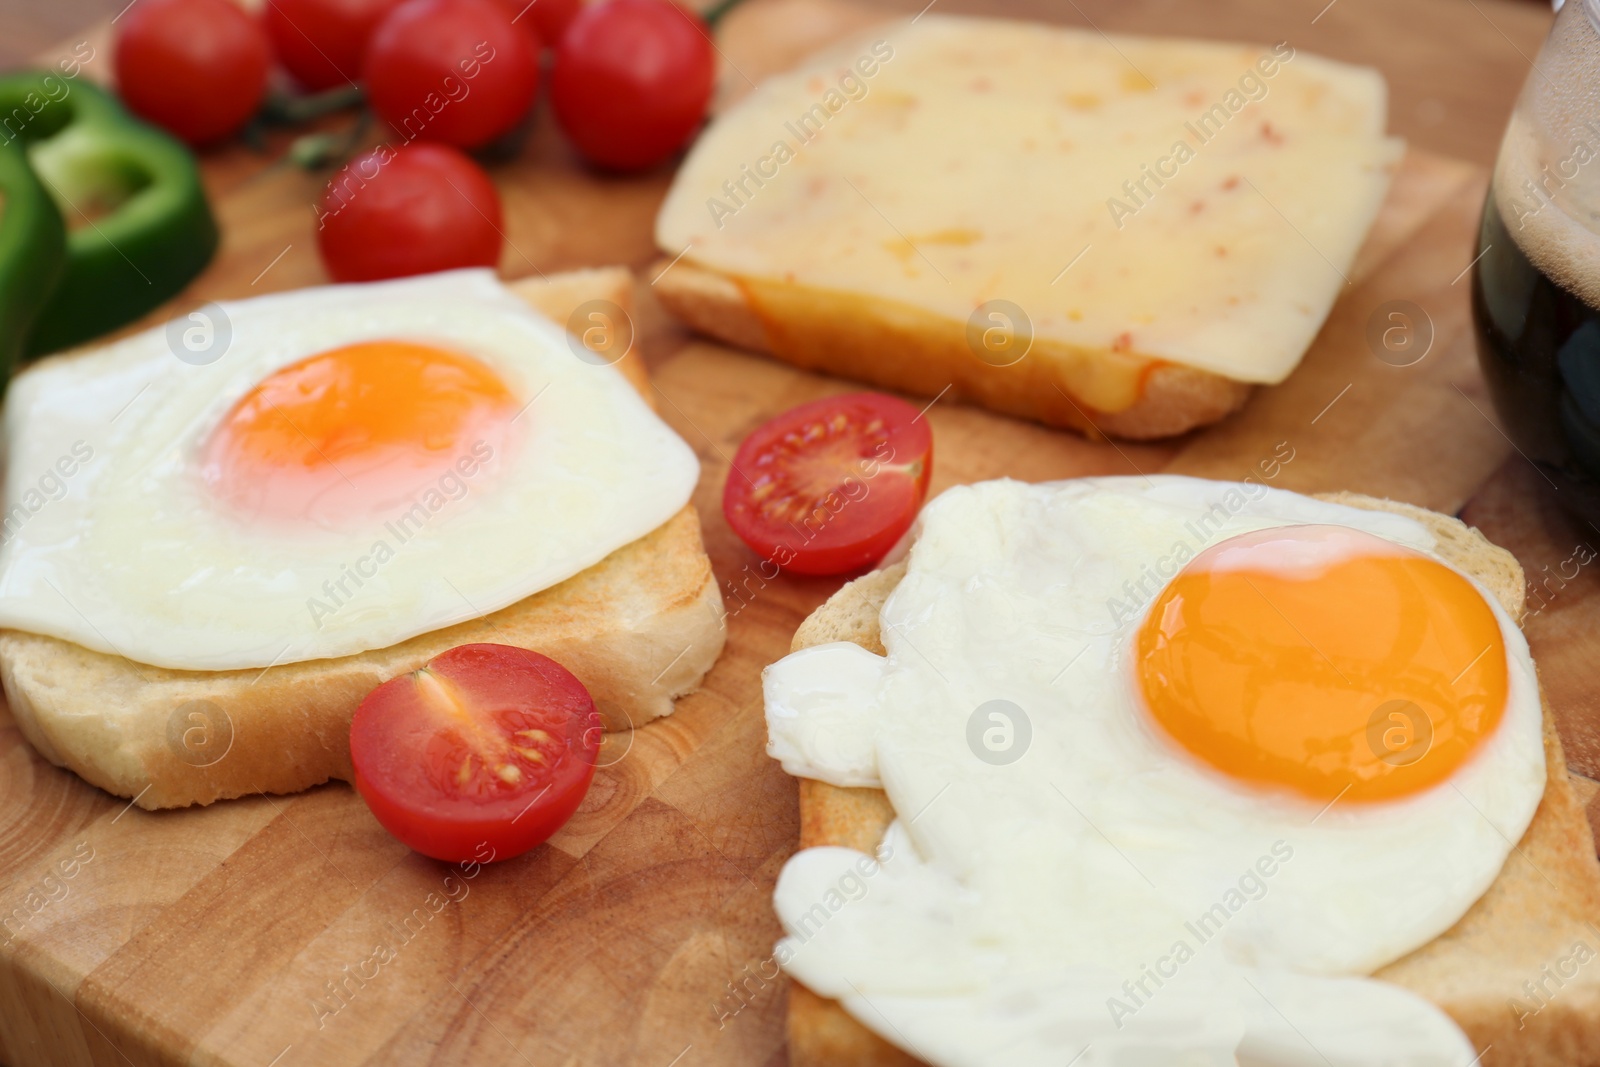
(1191, 202)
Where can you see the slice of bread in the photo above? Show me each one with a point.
(639, 629)
(899, 348)
(1520, 972)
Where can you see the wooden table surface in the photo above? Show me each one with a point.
(694, 824)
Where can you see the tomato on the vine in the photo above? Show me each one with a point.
(631, 81)
(417, 209)
(487, 746)
(197, 68)
(455, 71)
(830, 486)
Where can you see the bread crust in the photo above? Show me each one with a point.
(867, 347)
(1545, 901)
(639, 629)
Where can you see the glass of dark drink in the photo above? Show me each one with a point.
(1536, 283)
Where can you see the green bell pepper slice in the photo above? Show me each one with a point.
(33, 253)
(138, 225)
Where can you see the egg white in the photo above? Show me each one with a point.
(1087, 861)
(135, 557)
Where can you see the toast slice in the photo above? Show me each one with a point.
(907, 206)
(907, 350)
(639, 629)
(1518, 972)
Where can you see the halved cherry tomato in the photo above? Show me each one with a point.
(631, 81)
(455, 71)
(322, 42)
(487, 745)
(417, 209)
(195, 67)
(830, 486)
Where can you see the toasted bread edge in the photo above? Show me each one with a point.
(640, 629)
(1175, 399)
(1520, 972)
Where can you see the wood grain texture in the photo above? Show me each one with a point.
(1519, 510)
(278, 932)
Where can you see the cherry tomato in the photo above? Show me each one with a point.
(487, 745)
(631, 81)
(195, 67)
(548, 19)
(455, 71)
(411, 210)
(322, 42)
(830, 486)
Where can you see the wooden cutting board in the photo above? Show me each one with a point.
(288, 931)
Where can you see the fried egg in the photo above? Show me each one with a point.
(1176, 765)
(358, 465)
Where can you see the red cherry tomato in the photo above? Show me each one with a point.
(413, 210)
(548, 19)
(322, 42)
(830, 486)
(195, 67)
(487, 745)
(455, 71)
(631, 81)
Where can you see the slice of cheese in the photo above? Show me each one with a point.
(1137, 199)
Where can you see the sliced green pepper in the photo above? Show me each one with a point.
(139, 227)
(33, 253)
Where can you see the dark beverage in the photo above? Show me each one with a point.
(1539, 347)
(1536, 284)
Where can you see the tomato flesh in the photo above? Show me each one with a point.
(631, 81)
(830, 486)
(197, 68)
(413, 210)
(487, 750)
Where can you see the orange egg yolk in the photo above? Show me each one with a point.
(1324, 661)
(353, 429)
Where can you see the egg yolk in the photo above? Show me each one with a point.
(354, 429)
(1325, 661)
